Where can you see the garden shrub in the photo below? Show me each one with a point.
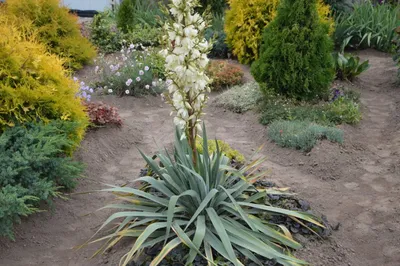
(216, 6)
(102, 114)
(302, 135)
(246, 20)
(340, 6)
(33, 83)
(125, 15)
(143, 34)
(241, 98)
(342, 108)
(135, 71)
(216, 33)
(104, 32)
(296, 54)
(33, 168)
(225, 148)
(367, 26)
(224, 74)
(56, 27)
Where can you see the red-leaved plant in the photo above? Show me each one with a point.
(224, 74)
(101, 114)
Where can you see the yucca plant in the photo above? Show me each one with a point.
(368, 25)
(207, 206)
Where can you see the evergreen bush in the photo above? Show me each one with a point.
(296, 54)
(33, 168)
(125, 15)
(56, 27)
(33, 84)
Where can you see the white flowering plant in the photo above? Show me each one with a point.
(134, 71)
(185, 51)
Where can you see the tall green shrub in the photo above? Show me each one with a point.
(296, 54)
(125, 15)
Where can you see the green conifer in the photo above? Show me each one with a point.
(296, 53)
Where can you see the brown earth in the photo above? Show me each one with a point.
(356, 185)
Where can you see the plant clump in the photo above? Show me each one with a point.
(101, 114)
(302, 135)
(295, 57)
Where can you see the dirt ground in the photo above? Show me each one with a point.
(356, 185)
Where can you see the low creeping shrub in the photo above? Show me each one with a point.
(301, 135)
(241, 98)
(33, 168)
(208, 206)
(224, 74)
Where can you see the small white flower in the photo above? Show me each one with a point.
(154, 83)
(128, 82)
(131, 46)
(91, 90)
(147, 87)
(122, 50)
(124, 41)
(160, 80)
(146, 68)
(141, 72)
(118, 74)
(127, 92)
(162, 96)
(109, 90)
(138, 79)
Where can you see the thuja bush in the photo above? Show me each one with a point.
(33, 84)
(302, 135)
(296, 54)
(56, 27)
(33, 168)
(245, 22)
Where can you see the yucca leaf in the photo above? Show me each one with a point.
(202, 206)
(140, 193)
(219, 227)
(208, 251)
(164, 252)
(249, 255)
(302, 215)
(198, 238)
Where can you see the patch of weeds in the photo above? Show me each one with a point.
(240, 99)
(302, 135)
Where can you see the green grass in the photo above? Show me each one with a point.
(302, 135)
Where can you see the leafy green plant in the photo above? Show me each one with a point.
(241, 98)
(225, 148)
(302, 135)
(343, 108)
(33, 168)
(55, 27)
(212, 208)
(368, 25)
(296, 54)
(348, 66)
(104, 32)
(143, 34)
(217, 35)
(125, 15)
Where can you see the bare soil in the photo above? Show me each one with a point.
(356, 185)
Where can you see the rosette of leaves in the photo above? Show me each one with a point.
(204, 204)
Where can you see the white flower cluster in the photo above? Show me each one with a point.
(186, 60)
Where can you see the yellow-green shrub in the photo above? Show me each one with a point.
(223, 147)
(33, 83)
(246, 19)
(56, 27)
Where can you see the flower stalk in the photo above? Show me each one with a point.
(186, 60)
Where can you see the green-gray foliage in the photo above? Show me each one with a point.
(296, 53)
(33, 167)
(368, 25)
(104, 32)
(241, 98)
(208, 206)
(302, 135)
